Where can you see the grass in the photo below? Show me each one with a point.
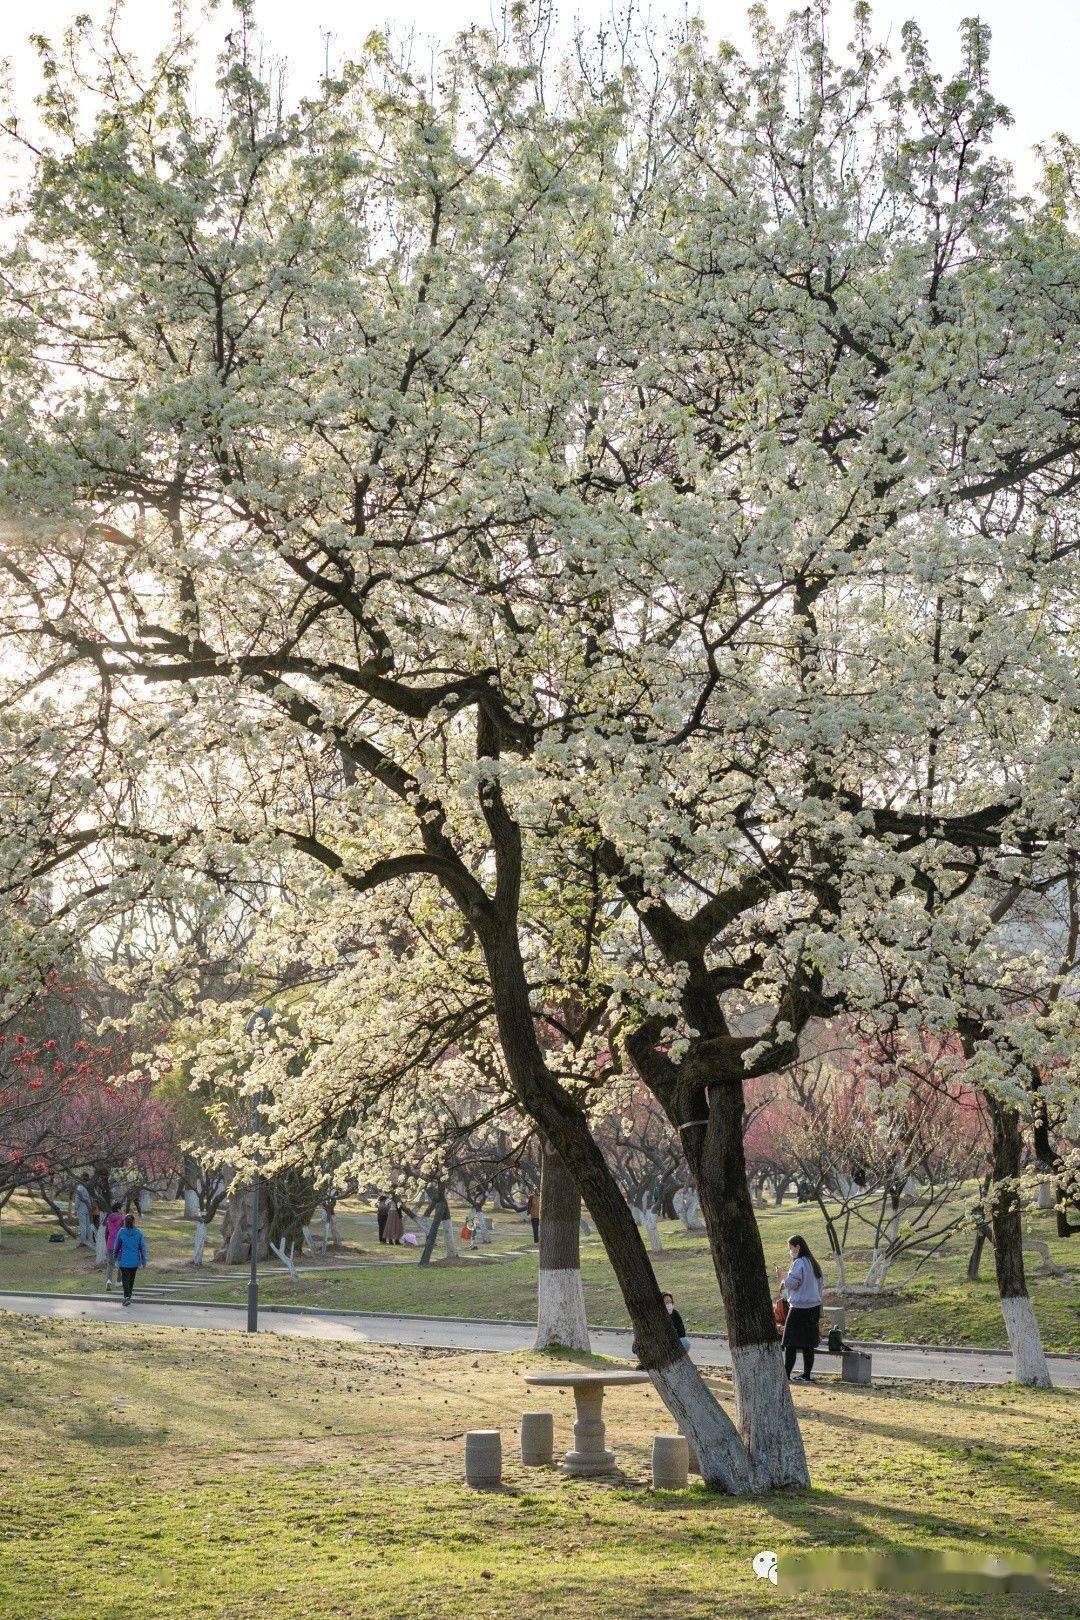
(155, 1472)
(935, 1305)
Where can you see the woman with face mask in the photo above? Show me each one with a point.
(802, 1286)
(676, 1321)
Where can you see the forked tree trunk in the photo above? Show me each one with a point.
(725, 1462)
(878, 1269)
(764, 1410)
(1025, 1340)
(560, 1302)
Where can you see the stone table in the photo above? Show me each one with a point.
(590, 1455)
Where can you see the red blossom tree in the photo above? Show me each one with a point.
(73, 1109)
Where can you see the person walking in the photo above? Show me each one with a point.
(802, 1326)
(114, 1220)
(130, 1253)
(676, 1320)
(532, 1210)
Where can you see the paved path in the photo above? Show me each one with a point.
(446, 1333)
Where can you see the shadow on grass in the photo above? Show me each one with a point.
(1007, 1466)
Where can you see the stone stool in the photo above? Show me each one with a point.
(483, 1458)
(537, 1439)
(670, 1462)
(855, 1366)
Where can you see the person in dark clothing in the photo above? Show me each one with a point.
(129, 1252)
(676, 1321)
(382, 1215)
(802, 1327)
(532, 1210)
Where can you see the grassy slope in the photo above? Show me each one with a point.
(154, 1473)
(937, 1305)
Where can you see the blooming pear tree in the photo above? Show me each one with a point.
(622, 505)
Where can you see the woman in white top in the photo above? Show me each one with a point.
(802, 1328)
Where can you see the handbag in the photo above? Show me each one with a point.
(780, 1311)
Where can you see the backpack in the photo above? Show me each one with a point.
(836, 1342)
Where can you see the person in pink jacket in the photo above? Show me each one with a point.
(114, 1220)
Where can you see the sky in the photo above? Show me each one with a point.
(1035, 63)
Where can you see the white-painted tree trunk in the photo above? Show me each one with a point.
(449, 1241)
(646, 1219)
(146, 1202)
(101, 1253)
(560, 1311)
(560, 1301)
(191, 1205)
(287, 1261)
(724, 1460)
(1025, 1341)
(841, 1270)
(765, 1416)
(1044, 1194)
(878, 1269)
(198, 1247)
(688, 1209)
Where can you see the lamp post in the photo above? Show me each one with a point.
(263, 1017)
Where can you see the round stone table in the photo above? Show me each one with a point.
(590, 1455)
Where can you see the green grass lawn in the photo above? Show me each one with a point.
(936, 1305)
(157, 1473)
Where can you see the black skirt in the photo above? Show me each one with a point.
(802, 1329)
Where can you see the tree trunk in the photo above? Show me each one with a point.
(198, 1247)
(975, 1257)
(560, 1302)
(725, 1462)
(880, 1262)
(1029, 1360)
(235, 1247)
(764, 1410)
(645, 1216)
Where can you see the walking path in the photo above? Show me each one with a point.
(934, 1363)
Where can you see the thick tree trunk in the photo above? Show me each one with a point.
(764, 1410)
(1029, 1360)
(235, 1249)
(560, 1302)
(725, 1462)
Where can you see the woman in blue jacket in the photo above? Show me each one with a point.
(802, 1326)
(129, 1252)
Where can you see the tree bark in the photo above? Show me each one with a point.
(1029, 1360)
(560, 1301)
(764, 1410)
(725, 1462)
